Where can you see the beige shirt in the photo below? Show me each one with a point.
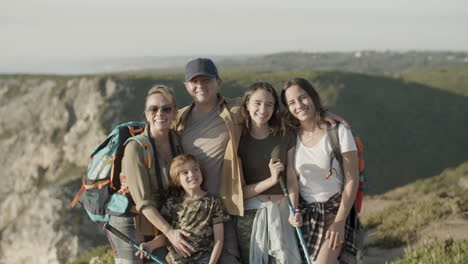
(230, 188)
(206, 137)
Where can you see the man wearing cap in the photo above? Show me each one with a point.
(211, 128)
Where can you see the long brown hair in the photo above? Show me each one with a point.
(289, 120)
(275, 120)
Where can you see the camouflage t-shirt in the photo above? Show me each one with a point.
(196, 216)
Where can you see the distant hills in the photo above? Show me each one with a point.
(359, 61)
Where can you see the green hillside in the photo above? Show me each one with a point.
(410, 130)
(454, 79)
(432, 199)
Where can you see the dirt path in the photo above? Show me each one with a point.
(456, 228)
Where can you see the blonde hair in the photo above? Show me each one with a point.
(176, 167)
(164, 91)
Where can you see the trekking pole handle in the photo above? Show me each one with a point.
(276, 155)
(298, 229)
(119, 234)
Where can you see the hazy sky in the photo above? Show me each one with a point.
(118, 28)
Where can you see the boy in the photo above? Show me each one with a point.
(195, 211)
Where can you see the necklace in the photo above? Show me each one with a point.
(310, 139)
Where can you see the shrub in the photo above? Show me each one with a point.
(436, 252)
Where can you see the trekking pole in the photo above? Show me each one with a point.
(293, 213)
(131, 242)
(276, 154)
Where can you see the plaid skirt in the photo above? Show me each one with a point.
(315, 217)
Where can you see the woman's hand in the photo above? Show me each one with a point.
(333, 118)
(275, 168)
(296, 220)
(336, 235)
(181, 246)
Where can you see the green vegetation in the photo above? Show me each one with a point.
(104, 253)
(365, 61)
(454, 79)
(400, 224)
(436, 252)
(421, 203)
(452, 182)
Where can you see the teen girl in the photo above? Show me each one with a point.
(330, 222)
(264, 231)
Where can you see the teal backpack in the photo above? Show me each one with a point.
(99, 194)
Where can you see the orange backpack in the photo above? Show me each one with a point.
(336, 154)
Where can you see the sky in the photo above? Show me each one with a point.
(54, 29)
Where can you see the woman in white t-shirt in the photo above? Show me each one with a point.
(326, 199)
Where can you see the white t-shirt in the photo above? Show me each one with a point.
(313, 165)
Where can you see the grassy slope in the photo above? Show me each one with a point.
(436, 252)
(418, 204)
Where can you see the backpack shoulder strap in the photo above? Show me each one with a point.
(336, 150)
(334, 139)
(176, 145)
(146, 147)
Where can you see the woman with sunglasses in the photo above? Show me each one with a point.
(148, 185)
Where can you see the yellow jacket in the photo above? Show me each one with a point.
(231, 187)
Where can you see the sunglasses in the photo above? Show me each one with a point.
(153, 109)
